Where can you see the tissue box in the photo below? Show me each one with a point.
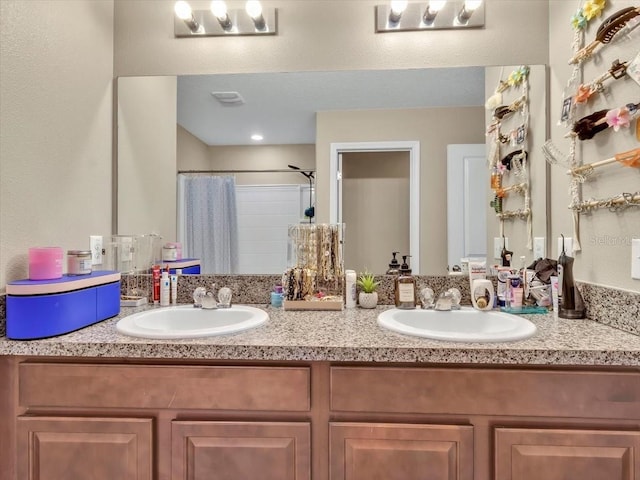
(45, 308)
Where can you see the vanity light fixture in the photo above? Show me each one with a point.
(254, 10)
(429, 15)
(468, 7)
(219, 20)
(183, 12)
(395, 11)
(219, 10)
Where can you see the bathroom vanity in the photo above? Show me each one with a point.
(324, 396)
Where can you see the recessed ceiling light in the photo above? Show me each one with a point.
(256, 137)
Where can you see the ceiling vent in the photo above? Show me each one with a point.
(228, 99)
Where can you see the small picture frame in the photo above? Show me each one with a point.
(521, 134)
(567, 103)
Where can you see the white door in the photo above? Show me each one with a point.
(467, 201)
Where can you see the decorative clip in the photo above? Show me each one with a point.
(607, 30)
(586, 91)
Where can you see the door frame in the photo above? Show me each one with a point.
(335, 185)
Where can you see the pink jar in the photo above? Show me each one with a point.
(45, 263)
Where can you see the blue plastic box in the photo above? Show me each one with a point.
(189, 266)
(46, 308)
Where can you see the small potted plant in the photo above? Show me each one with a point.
(368, 297)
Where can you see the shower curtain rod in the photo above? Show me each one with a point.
(281, 170)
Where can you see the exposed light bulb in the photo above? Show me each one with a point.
(183, 10)
(436, 5)
(256, 137)
(398, 6)
(219, 8)
(471, 5)
(253, 8)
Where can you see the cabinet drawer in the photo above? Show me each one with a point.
(158, 386)
(477, 391)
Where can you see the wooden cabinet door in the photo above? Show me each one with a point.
(240, 450)
(368, 451)
(534, 454)
(70, 448)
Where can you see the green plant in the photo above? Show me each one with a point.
(367, 282)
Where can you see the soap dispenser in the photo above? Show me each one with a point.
(569, 297)
(394, 265)
(405, 294)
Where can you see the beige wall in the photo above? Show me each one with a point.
(375, 208)
(516, 230)
(605, 257)
(192, 153)
(264, 157)
(147, 156)
(434, 128)
(325, 35)
(55, 126)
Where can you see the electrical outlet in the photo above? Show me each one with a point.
(96, 249)
(635, 258)
(568, 246)
(539, 248)
(497, 246)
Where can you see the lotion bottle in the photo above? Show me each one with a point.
(350, 289)
(405, 287)
(174, 288)
(165, 290)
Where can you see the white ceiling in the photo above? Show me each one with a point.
(282, 106)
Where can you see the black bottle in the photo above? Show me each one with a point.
(570, 300)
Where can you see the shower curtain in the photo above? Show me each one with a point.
(207, 221)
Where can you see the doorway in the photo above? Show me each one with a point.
(379, 170)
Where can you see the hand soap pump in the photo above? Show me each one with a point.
(405, 294)
(570, 299)
(394, 265)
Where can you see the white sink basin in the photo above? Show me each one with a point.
(189, 322)
(464, 325)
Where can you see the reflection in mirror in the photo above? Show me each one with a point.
(298, 115)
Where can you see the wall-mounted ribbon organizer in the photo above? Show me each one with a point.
(605, 105)
(509, 150)
(45, 308)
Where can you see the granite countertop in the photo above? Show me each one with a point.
(350, 336)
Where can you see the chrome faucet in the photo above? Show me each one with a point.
(449, 300)
(444, 302)
(207, 299)
(204, 299)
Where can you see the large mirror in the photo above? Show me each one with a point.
(174, 131)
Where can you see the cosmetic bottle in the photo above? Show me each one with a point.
(165, 290)
(156, 284)
(405, 287)
(174, 288)
(350, 289)
(277, 296)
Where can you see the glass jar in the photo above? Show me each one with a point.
(78, 262)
